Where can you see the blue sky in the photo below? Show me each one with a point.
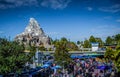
(73, 19)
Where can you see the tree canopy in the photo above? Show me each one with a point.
(113, 55)
(117, 58)
(117, 37)
(61, 53)
(71, 46)
(86, 44)
(92, 39)
(108, 40)
(109, 54)
(12, 56)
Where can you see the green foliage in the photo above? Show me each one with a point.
(92, 39)
(31, 53)
(113, 40)
(51, 41)
(114, 56)
(71, 46)
(55, 41)
(109, 54)
(108, 40)
(50, 49)
(86, 44)
(61, 53)
(99, 40)
(117, 58)
(12, 57)
(63, 39)
(78, 42)
(117, 37)
(42, 48)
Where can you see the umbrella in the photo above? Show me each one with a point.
(101, 67)
(45, 66)
(53, 68)
(57, 66)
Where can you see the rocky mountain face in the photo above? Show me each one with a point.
(34, 35)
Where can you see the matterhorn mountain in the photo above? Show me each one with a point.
(34, 35)
(34, 28)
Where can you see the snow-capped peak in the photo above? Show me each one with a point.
(34, 28)
(34, 23)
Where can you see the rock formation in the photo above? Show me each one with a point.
(34, 35)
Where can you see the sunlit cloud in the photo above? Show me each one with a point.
(118, 20)
(89, 8)
(55, 4)
(5, 4)
(112, 9)
(108, 17)
(1, 32)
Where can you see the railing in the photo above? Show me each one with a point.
(77, 52)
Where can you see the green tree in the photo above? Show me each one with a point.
(114, 55)
(117, 38)
(63, 39)
(99, 40)
(61, 53)
(55, 42)
(108, 40)
(31, 53)
(92, 39)
(71, 46)
(78, 42)
(109, 54)
(86, 44)
(12, 56)
(42, 48)
(51, 41)
(117, 58)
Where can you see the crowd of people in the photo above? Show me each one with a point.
(79, 67)
(89, 67)
(93, 68)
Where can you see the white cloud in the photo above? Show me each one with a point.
(1, 32)
(113, 9)
(52, 33)
(108, 17)
(4, 4)
(57, 34)
(89, 8)
(55, 4)
(118, 20)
